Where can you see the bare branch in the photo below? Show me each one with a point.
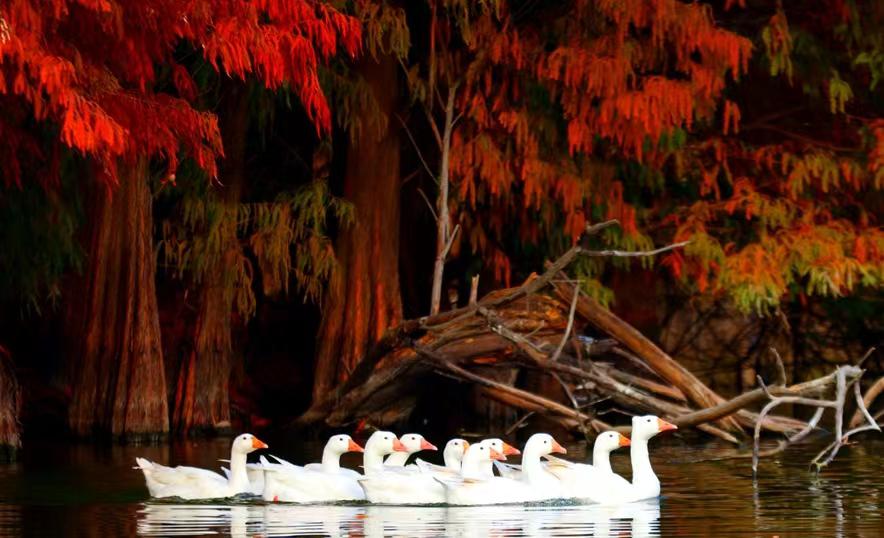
(861, 406)
(781, 370)
(558, 351)
(519, 423)
(874, 391)
(474, 289)
(429, 205)
(450, 241)
(593, 229)
(866, 356)
(636, 253)
(432, 121)
(417, 149)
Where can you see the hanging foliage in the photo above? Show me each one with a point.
(97, 85)
(287, 237)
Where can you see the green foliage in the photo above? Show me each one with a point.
(287, 237)
(778, 45)
(839, 93)
(38, 234)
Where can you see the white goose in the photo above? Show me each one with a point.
(611, 488)
(194, 483)
(379, 445)
(327, 482)
(414, 442)
(504, 449)
(475, 487)
(575, 476)
(337, 446)
(452, 455)
(404, 485)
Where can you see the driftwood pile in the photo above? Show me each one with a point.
(536, 326)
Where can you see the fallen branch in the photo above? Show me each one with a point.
(844, 376)
(516, 397)
(874, 391)
(662, 364)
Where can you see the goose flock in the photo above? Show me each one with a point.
(466, 478)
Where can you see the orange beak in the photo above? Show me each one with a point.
(398, 446)
(509, 450)
(465, 447)
(557, 448)
(258, 444)
(664, 426)
(426, 445)
(353, 447)
(495, 455)
(624, 441)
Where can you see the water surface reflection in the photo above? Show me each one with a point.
(83, 490)
(638, 520)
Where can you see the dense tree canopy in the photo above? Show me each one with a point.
(751, 129)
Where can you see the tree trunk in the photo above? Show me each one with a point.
(364, 299)
(118, 378)
(10, 406)
(202, 400)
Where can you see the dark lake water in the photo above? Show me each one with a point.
(85, 490)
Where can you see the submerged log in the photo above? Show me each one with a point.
(10, 407)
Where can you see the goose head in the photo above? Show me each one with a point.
(454, 451)
(647, 426)
(542, 444)
(479, 454)
(246, 444)
(610, 441)
(415, 442)
(382, 443)
(341, 444)
(503, 448)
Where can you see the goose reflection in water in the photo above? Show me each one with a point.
(240, 521)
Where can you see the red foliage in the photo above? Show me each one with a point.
(91, 67)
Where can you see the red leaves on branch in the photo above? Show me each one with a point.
(91, 66)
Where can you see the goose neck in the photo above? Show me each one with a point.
(331, 460)
(372, 461)
(397, 459)
(239, 478)
(601, 458)
(642, 472)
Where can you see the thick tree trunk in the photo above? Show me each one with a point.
(118, 379)
(364, 299)
(202, 400)
(10, 406)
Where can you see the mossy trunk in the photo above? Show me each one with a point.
(10, 407)
(117, 376)
(202, 402)
(365, 300)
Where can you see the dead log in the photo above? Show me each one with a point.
(868, 399)
(521, 327)
(667, 368)
(511, 395)
(810, 388)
